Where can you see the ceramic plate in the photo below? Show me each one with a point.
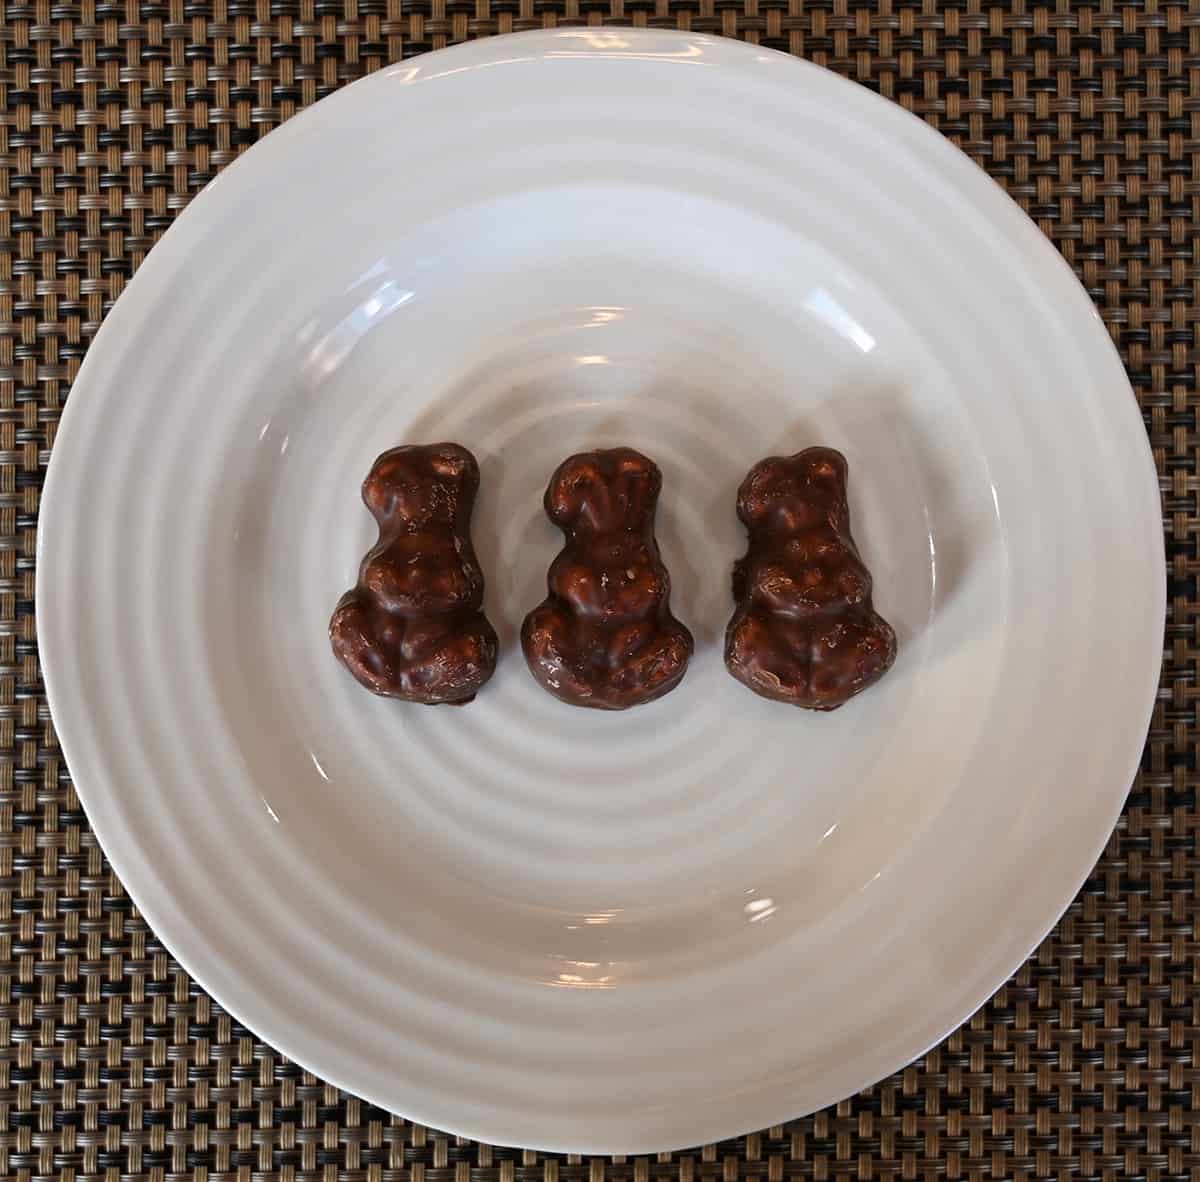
(569, 929)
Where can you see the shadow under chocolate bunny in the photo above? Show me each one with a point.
(508, 544)
(513, 581)
(516, 542)
(914, 536)
(952, 540)
(894, 473)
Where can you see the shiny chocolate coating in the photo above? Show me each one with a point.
(804, 630)
(605, 636)
(413, 627)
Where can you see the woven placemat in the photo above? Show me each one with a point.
(114, 1065)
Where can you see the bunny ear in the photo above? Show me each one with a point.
(825, 472)
(387, 468)
(755, 492)
(388, 463)
(823, 465)
(575, 486)
(637, 482)
(448, 461)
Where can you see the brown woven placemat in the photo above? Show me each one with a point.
(114, 1065)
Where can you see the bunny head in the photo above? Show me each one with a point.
(422, 487)
(604, 492)
(793, 493)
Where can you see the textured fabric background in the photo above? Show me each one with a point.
(115, 1066)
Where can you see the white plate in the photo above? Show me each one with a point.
(533, 924)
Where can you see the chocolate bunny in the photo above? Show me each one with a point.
(413, 627)
(605, 636)
(804, 630)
